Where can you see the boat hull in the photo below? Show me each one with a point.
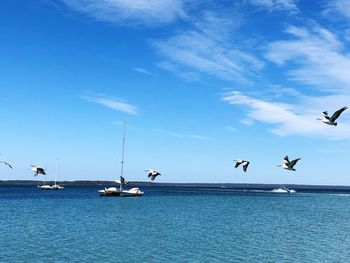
(103, 193)
(50, 187)
(111, 191)
(121, 193)
(283, 190)
(130, 195)
(57, 187)
(132, 192)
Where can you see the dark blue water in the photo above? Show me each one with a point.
(170, 224)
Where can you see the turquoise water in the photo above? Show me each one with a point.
(172, 225)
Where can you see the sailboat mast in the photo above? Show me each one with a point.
(44, 176)
(122, 162)
(56, 171)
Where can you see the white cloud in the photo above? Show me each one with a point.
(209, 48)
(293, 119)
(317, 58)
(149, 12)
(276, 5)
(340, 6)
(110, 102)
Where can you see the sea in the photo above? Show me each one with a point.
(173, 224)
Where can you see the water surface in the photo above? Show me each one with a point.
(170, 224)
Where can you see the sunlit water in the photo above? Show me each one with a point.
(171, 224)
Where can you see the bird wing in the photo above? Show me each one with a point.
(245, 166)
(40, 170)
(150, 172)
(292, 163)
(325, 115)
(286, 159)
(337, 113)
(238, 162)
(153, 177)
(9, 165)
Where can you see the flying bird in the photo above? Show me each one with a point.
(152, 174)
(244, 164)
(331, 120)
(6, 163)
(122, 181)
(288, 165)
(37, 170)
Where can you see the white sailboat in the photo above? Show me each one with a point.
(51, 187)
(56, 186)
(114, 191)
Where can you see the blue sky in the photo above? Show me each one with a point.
(198, 84)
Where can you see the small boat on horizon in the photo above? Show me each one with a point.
(283, 190)
(120, 192)
(54, 186)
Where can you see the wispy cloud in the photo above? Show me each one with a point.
(277, 5)
(181, 135)
(279, 91)
(317, 56)
(209, 49)
(110, 102)
(340, 6)
(291, 119)
(230, 128)
(188, 74)
(146, 12)
(143, 71)
(248, 122)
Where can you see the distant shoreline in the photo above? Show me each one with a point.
(237, 186)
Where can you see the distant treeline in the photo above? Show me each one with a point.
(196, 185)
